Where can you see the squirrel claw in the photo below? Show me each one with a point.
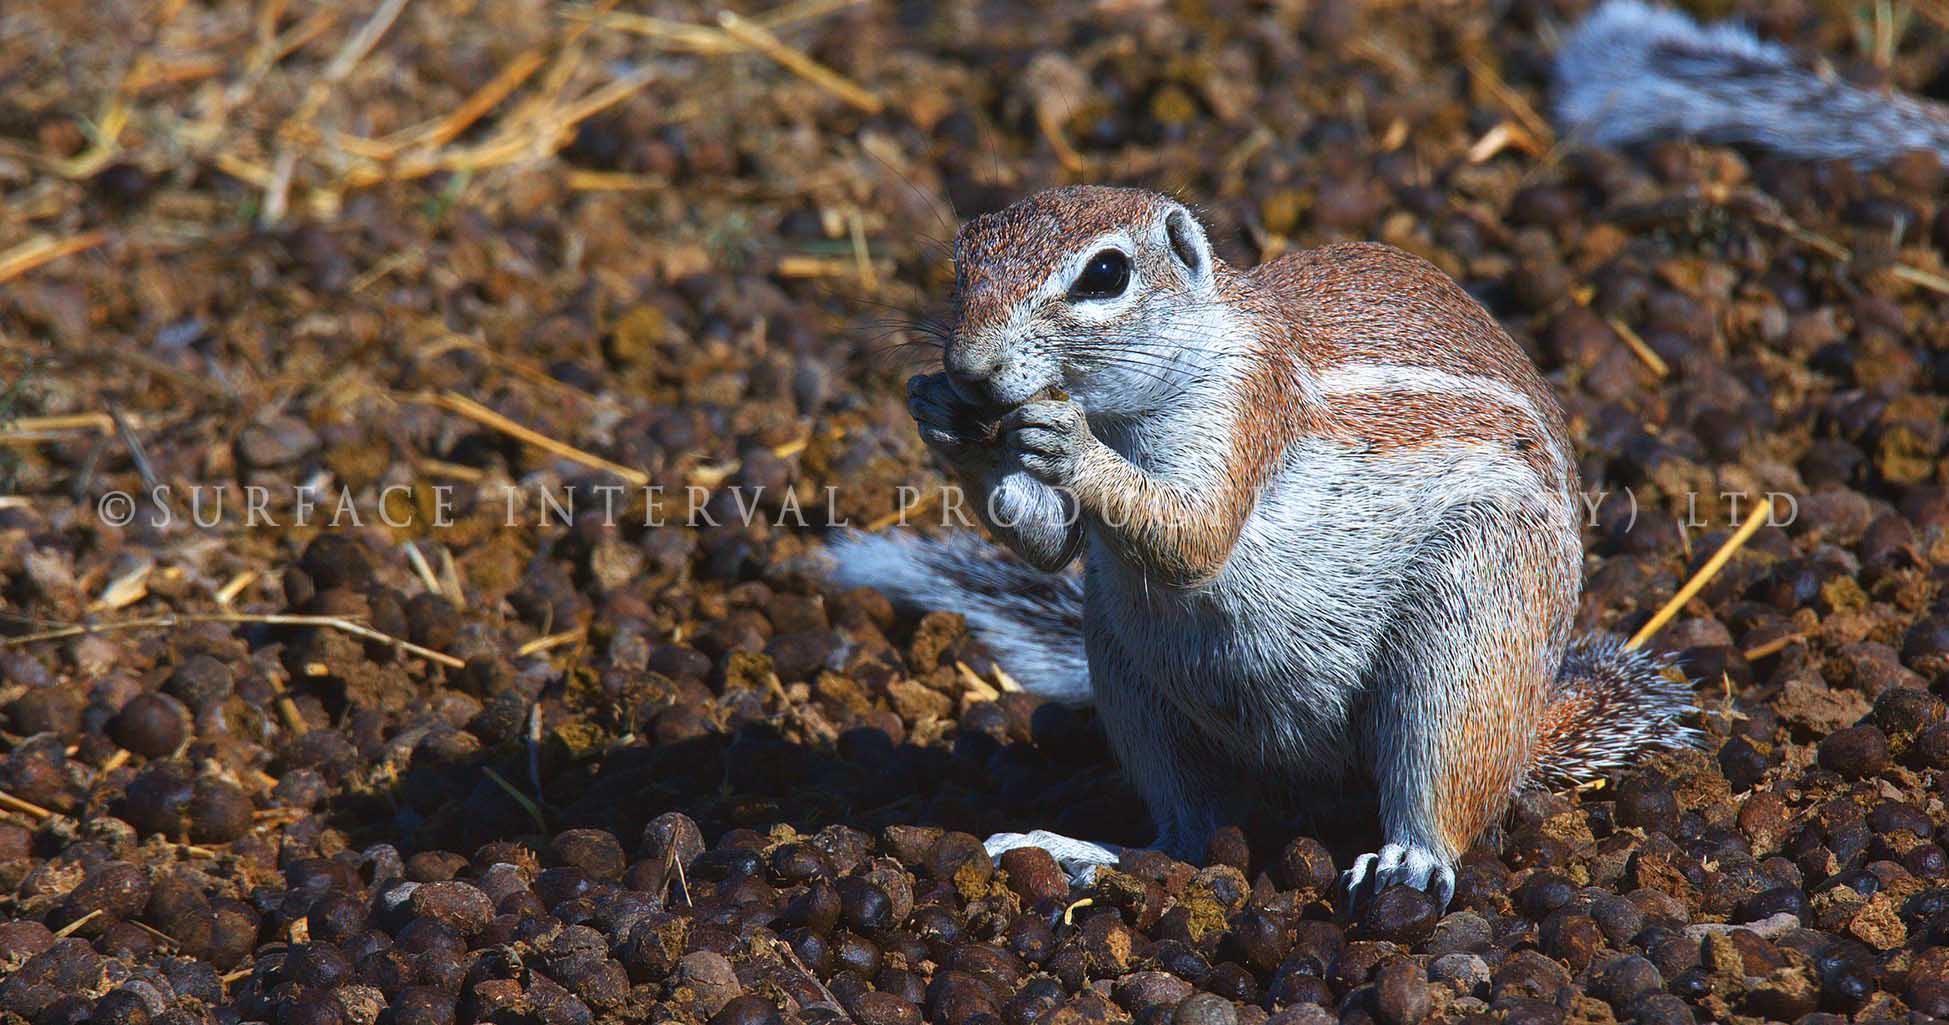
(1079, 859)
(1398, 863)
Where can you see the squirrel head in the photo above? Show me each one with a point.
(1108, 294)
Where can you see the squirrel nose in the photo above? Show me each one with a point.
(972, 372)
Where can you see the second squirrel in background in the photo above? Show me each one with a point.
(1634, 73)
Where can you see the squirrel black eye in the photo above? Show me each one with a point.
(1104, 277)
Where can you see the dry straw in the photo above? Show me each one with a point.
(1704, 576)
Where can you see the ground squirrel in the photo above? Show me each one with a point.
(1631, 72)
(1328, 518)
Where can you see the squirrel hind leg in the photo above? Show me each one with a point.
(1449, 721)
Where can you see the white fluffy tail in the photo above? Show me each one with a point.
(1632, 72)
(1031, 622)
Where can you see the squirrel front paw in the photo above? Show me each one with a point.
(1398, 863)
(1049, 438)
(948, 423)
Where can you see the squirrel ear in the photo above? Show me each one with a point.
(1188, 244)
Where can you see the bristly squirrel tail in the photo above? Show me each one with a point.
(1611, 704)
(1032, 622)
(1632, 72)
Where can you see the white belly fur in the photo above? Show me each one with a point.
(1271, 657)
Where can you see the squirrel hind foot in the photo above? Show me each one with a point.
(1398, 864)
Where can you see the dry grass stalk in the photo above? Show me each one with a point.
(978, 689)
(174, 619)
(43, 428)
(685, 37)
(613, 181)
(359, 44)
(1251, 146)
(1393, 62)
(455, 471)
(1918, 276)
(598, 101)
(256, 176)
(264, 26)
(287, 709)
(298, 126)
(710, 475)
(527, 803)
(449, 127)
(795, 266)
(316, 24)
(107, 139)
(519, 143)
(277, 187)
(1830, 248)
(531, 112)
(150, 74)
(1504, 135)
(678, 36)
(24, 807)
(1704, 576)
(541, 644)
(761, 39)
(385, 266)
(568, 57)
(671, 860)
(168, 942)
(921, 505)
(1834, 250)
(125, 590)
(519, 367)
(45, 249)
(789, 14)
(137, 453)
(862, 257)
(457, 403)
(422, 568)
(1772, 647)
(235, 586)
(72, 927)
(1490, 81)
(791, 957)
(1636, 344)
(1051, 129)
(450, 578)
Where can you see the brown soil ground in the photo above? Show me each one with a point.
(502, 767)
